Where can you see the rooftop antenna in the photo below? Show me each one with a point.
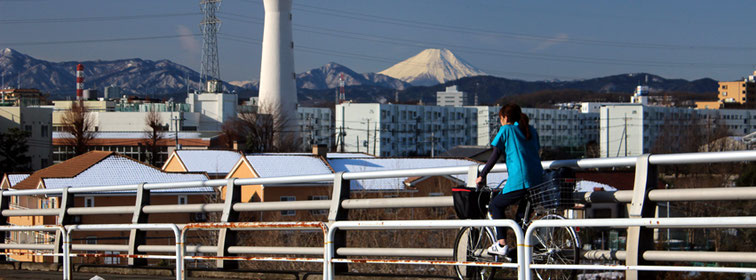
(209, 67)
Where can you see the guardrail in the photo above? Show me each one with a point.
(641, 200)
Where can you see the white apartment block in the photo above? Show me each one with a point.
(632, 129)
(37, 121)
(452, 97)
(315, 126)
(403, 130)
(556, 127)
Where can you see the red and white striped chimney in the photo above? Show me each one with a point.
(79, 81)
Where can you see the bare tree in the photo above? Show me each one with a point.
(153, 134)
(257, 133)
(78, 123)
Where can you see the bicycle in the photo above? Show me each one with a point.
(559, 245)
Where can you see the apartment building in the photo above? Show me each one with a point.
(315, 126)
(557, 128)
(37, 121)
(134, 144)
(399, 130)
(453, 97)
(633, 129)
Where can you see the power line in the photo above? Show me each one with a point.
(495, 52)
(91, 19)
(86, 41)
(499, 33)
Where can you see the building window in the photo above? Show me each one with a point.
(288, 212)
(182, 200)
(91, 240)
(89, 201)
(319, 197)
(112, 260)
(28, 128)
(43, 130)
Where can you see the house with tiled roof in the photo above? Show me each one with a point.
(272, 165)
(11, 179)
(216, 163)
(404, 183)
(101, 168)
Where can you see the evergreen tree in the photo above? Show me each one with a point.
(13, 149)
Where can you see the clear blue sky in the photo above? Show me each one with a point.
(530, 40)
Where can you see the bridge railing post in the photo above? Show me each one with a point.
(340, 192)
(226, 236)
(640, 239)
(136, 236)
(4, 205)
(64, 219)
(472, 175)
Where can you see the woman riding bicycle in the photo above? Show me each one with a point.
(519, 142)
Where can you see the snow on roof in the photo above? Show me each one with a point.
(589, 186)
(380, 164)
(210, 161)
(329, 155)
(272, 165)
(13, 179)
(119, 170)
(348, 155)
(136, 135)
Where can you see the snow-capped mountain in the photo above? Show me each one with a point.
(431, 67)
(253, 85)
(328, 76)
(134, 76)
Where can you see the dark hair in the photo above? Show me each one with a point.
(514, 114)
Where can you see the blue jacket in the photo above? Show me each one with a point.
(523, 163)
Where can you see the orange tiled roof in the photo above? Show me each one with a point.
(66, 169)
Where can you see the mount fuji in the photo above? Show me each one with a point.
(432, 67)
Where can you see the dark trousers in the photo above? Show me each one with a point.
(499, 205)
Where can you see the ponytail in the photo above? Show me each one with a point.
(524, 127)
(513, 112)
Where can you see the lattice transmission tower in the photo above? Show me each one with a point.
(209, 67)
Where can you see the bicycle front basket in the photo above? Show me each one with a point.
(470, 203)
(554, 194)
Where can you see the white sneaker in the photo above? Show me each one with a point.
(497, 249)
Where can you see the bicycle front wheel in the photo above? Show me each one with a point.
(470, 245)
(557, 245)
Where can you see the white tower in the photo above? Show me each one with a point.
(278, 91)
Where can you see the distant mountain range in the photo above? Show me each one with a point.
(329, 75)
(134, 76)
(417, 78)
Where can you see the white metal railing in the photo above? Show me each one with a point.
(642, 196)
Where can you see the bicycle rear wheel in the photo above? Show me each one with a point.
(470, 245)
(557, 245)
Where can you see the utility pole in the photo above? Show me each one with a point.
(367, 139)
(433, 144)
(341, 132)
(176, 128)
(375, 135)
(625, 133)
(358, 143)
